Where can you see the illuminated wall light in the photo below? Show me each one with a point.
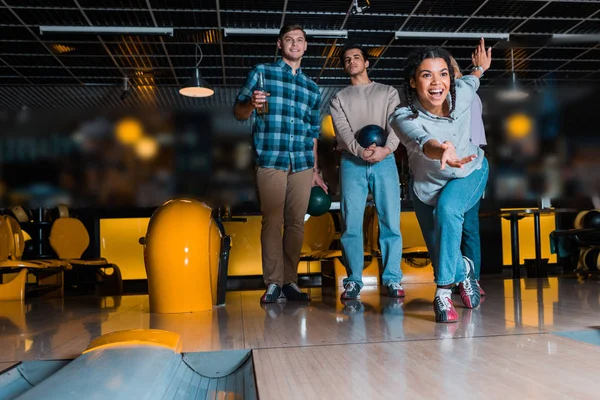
(375, 51)
(147, 88)
(146, 148)
(518, 126)
(211, 36)
(62, 49)
(334, 52)
(129, 131)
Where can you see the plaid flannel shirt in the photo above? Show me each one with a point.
(283, 137)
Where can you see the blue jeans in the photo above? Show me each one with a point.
(357, 177)
(443, 226)
(471, 243)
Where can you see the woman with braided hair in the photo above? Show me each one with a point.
(449, 172)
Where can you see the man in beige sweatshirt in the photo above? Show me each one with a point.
(373, 169)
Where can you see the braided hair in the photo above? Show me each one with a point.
(414, 60)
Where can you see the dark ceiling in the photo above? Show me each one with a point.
(88, 70)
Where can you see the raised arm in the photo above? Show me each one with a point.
(248, 99)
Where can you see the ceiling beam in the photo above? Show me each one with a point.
(74, 42)
(295, 12)
(394, 37)
(334, 44)
(221, 42)
(590, 60)
(514, 30)
(162, 42)
(285, 3)
(468, 19)
(569, 61)
(13, 12)
(591, 73)
(241, 76)
(16, 71)
(530, 56)
(100, 40)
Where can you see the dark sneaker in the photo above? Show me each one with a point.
(273, 294)
(395, 290)
(293, 293)
(444, 309)
(469, 288)
(456, 290)
(352, 291)
(480, 290)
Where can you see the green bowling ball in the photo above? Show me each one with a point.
(319, 202)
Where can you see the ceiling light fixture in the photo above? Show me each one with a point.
(575, 38)
(451, 35)
(196, 86)
(514, 92)
(96, 30)
(318, 33)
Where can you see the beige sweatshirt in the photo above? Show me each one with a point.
(356, 106)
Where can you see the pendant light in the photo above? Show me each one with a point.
(514, 92)
(196, 86)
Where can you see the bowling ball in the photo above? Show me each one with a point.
(592, 219)
(319, 202)
(371, 134)
(29, 250)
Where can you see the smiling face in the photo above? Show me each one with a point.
(432, 84)
(292, 45)
(354, 62)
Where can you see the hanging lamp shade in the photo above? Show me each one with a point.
(196, 86)
(514, 92)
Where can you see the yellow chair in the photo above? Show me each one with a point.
(17, 247)
(318, 236)
(15, 288)
(69, 239)
(48, 278)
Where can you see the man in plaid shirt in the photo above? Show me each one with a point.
(285, 142)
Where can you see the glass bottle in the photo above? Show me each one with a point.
(261, 87)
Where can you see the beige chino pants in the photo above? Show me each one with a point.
(284, 200)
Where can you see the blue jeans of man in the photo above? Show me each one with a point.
(443, 226)
(357, 177)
